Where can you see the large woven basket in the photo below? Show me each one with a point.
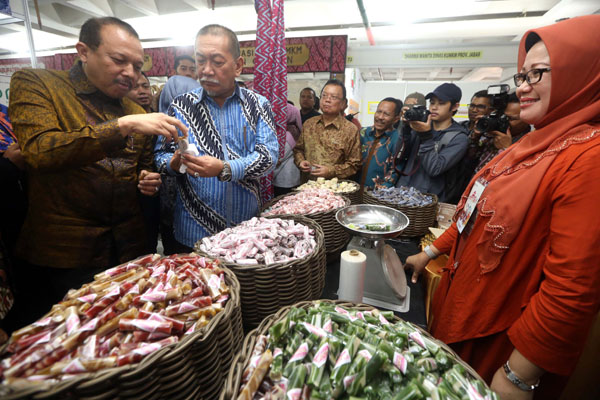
(420, 218)
(355, 196)
(194, 368)
(336, 236)
(234, 378)
(267, 288)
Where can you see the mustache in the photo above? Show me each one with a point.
(209, 80)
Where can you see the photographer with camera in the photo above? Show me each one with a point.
(480, 105)
(501, 128)
(441, 142)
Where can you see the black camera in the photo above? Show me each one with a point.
(496, 121)
(416, 113)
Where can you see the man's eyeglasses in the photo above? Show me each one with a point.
(532, 76)
(479, 107)
(326, 96)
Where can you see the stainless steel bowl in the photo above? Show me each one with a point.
(371, 214)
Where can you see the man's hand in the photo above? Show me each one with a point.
(304, 166)
(149, 182)
(205, 166)
(419, 126)
(176, 161)
(502, 140)
(321, 170)
(13, 153)
(417, 262)
(152, 124)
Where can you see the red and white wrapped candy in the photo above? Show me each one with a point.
(126, 313)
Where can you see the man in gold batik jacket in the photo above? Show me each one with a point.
(329, 145)
(88, 151)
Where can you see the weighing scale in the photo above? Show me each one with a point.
(385, 280)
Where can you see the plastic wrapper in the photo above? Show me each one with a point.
(307, 201)
(333, 352)
(261, 241)
(126, 313)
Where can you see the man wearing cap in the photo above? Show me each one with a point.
(441, 141)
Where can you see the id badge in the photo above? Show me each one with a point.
(470, 204)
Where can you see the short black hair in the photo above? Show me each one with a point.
(90, 30)
(336, 82)
(312, 91)
(182, 57)
(482, 93)
(220, 30)
(397, 103)
(512, 98)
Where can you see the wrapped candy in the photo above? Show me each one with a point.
(126, 313)
(261, 241)
(307, 201)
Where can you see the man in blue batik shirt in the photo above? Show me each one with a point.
(234, 132)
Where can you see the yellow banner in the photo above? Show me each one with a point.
(443, 55)
(297, 55)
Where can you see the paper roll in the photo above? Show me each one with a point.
(352, 276)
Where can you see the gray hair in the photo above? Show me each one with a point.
(220, 30)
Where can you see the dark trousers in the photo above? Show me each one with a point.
(150, 206)
(279, 191)
(38, 288)
(181, 248)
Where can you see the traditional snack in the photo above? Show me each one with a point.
(331, 352)
(261, 241)
(375, 227)
(308, 201)
(403, 196)
(331, 184)
(126, 313)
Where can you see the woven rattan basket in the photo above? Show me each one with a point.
(234, 378)
(194, 368)
(335, 237)
(267, 288)
(421, 218)
(355, 196)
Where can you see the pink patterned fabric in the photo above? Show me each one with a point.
(270, 72)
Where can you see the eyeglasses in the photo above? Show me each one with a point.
(326, 96)
(480, 107)
(532, 76)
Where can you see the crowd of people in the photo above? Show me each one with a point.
(108, 167)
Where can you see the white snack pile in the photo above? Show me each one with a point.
(332, 184)
(261, 241)
(307, 201)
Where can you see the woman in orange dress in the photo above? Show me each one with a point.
(522, 285)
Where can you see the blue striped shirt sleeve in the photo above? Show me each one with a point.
(264, 157)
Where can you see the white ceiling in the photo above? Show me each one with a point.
(396, 24)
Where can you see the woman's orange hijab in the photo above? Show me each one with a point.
(515, 174)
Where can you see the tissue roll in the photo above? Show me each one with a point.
(352, 276)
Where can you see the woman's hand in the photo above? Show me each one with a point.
(417, 263)
(506, 389)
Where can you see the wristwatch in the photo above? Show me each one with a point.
(515, 380)
(225, 174)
